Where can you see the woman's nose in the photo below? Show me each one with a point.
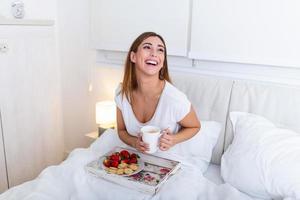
(153, 53)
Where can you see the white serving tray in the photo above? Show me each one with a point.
(155, 173)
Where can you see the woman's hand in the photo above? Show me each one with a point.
(167, 140)
(140, 145)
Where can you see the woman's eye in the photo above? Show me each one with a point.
(146, 47)
(161, 50)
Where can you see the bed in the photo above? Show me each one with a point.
(237, 106)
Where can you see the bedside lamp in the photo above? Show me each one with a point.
(105, 115)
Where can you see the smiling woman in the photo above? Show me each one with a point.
(147, 97)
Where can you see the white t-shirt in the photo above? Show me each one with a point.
(172, 107)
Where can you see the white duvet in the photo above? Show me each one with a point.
(70, 181)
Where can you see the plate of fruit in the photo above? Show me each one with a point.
(123, 163)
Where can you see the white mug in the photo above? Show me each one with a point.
(151, 135)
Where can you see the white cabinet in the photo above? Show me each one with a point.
(258, 32)
(115, 24)
(255, 32)
(30, 101)
(3, 177)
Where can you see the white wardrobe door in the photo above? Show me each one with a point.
(3, 178)
(115, 24)
(31, 105)
(254, 31)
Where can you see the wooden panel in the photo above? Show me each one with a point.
(115, 24)
(3, 178)
(31, 103)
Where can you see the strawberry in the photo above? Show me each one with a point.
(115, 157)
(125, 154)
(114, 163)
(125, 161)
(133, 155)
(133, 160)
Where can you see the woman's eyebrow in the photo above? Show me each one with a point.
(147, 43)
(161, 46)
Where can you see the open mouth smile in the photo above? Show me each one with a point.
(151, 62)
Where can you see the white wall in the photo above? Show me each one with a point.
(106, 81)
(76, 59)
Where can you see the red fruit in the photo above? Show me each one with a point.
(125, 161)
(114, 157)
(133, 155)
(114, 163)
(125, 154)
(106, 163)
(133, 160)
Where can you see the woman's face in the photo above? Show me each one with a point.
(150, 56)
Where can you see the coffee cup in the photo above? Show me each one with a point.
(151, 135)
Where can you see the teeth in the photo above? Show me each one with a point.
(152, 62)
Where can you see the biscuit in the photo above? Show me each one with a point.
(128, 171)
(134, 167)
(112, 170)
(122, 165)
(120, 171)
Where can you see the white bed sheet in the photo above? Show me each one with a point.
(69, 181)
(213, 174)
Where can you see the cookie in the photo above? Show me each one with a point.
(134, 167)
(112, 170)
(128, 171)
(120, 171)
(122, 165)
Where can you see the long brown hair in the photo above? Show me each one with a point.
(129, 80)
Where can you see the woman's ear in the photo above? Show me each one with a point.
(132, 57)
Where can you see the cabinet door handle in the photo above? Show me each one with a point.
(3, 48)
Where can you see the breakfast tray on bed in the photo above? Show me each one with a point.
(153, 171)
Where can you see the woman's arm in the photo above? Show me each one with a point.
(190, 126)
(135, 142)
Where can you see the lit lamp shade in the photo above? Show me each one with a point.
(106, 114)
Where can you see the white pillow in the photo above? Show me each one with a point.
(263, 160)
(198, 149)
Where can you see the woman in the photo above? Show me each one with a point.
(147, 97)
